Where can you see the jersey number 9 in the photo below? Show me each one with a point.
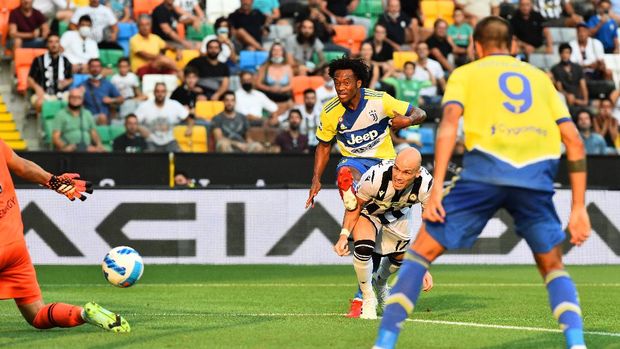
(520, 101)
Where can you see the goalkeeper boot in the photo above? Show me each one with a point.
(355, 308)
(96, 315)
(369, 308)
(345, 187)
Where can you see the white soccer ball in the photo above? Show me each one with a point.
(122, 266)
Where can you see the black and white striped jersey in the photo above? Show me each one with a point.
(549, 9)
(386, 203)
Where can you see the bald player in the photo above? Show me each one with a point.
(514, 124)
(384, 198)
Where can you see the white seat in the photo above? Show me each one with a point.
(149, 81)
(279, 33)
(220, 8)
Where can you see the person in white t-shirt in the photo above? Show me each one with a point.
(157, 118)
(424, 68)
(62, 10)
(128, 85)
(102, 17)
(78, 45)
(311, 116)
(191, 8)
(327, 91)
(476, 10)
(589, 53)
(253, 102)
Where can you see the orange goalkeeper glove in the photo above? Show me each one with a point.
(70, 185)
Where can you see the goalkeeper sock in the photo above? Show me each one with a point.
(565, 306)
(363, 265)
(58, 315)
(402, 298)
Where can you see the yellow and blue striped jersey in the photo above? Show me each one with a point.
(365, 131)
(511, 112)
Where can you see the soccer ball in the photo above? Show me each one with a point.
(122, 266)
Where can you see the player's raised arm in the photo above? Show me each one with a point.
(402, 113)
(321, 157)
(350, 219)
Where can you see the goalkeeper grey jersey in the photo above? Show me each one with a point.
(386, 203)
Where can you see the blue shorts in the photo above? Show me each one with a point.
(360, 164)
(469, 206)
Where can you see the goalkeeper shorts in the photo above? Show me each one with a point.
(18, 279)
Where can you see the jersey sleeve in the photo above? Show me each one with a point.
(326, 130)
(366, 188)
(455, 89)
(425, 188)
(391, 105)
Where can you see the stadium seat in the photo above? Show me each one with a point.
(141, 7)
(50, 108)
(197, 35)
(10, 135)
(252, 60)
(125, 32)
(23, 60)
(435, 9)
(80, 3)
(78, 79)
(116, 130)
(17, 144)
(4, 25)
(63, 26)
(149, 81)
(350, 36)
(8, 126)
(4, 117)
(186, 56)
(612, 62)
(428, 140)
(109, 58)
(544, 61)
(9, 4)
(368, 8)
(279, 33)
(104, 134)
(560, 35)
(401, 57)
(220, 8)
(197, 143)
(206, 110)
(328, 55)
(301, 83)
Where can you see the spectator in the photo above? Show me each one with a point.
(222, 34)
(230, 129)
(73, 128)
(589, 54)
(165, 19)
(311, 117)
(557, 13)
(128, 85)
(78, 45)
(102, 17)
(100, 95)
(191, 8)
(339, 11)
(269, 8)
(109, 40)
(606, 125)
(322, 26)
(213, 74)
(401, 29)
(407, 87)
(248, 25)
(254, 102)
(366, 53)
(593, 142)
(62, 10)
(461, 34)
(326, 91)
(384, 51)
(145, 51)
(275, 77)
(569, 78)
(406, 138)
(50, 74)
(131, 141)
(189, 93)
(424, 69)
(527, 26)
(412, 9)
(158, 117)
(27, 26)
(476, 10)
(440, 45)
(303, 47)
(182, 180)
(604, 28)
(292, 140)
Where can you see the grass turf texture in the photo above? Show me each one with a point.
(181, 306)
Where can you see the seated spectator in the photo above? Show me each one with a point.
(441, 46)
(213, 74)
(476, 10)
(604, 28)
(50, 74)
(311, 117)
(27, 26)
(339, 11)
(292, 140)
(593, 142)
(326, 91)
(78, 45)
(222, 34)
(557, 13)
(275, 77)
(146, 51)
(131, 141)
(191, 8)
(248, 25)
(589, 54)
(322, 25)
(606, 125)
(269, 8)
(302, 47)
(73, 128)
(408, 87)
(406, 138)
(460, 34)
(569, 78)
(412, 9)
(158, 117)
(61, 10)
(366, 53)
(102, 17)
(100, 96)
(424, 69)
(109, 40)
(230, 129)
(401, 29)
(165, 19)
(189, 93)
(182, 180)
(122, 10)
(254, 101)
(527, 26)
(383, 50)
(128, 85)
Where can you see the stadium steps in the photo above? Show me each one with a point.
(16, 129)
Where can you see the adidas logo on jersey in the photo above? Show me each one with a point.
(365, 138)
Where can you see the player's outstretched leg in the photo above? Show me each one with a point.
(389, 265)
(96, 315)
(346, 189)
(355, 308)
(362, 264)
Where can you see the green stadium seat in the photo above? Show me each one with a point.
(368, 8)
(116, 130)
(192, 34)
(104, 133)
(329, 56)
(63, 26)
(109, 58)
(50, 108)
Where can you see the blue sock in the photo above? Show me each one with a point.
(565, 306)
(402, 299)
(376, 261)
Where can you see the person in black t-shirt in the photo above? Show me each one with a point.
(189, 93)
(131, 141)
(165, 19)
(401, 29)
(291, 140)
(248, 25)
(441, 45)
(527, 26)
(569, 78)
(213, 75)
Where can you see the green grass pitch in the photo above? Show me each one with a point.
(265, 306)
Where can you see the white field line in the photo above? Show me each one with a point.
(437, 285)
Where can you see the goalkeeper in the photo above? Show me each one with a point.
(18, 279)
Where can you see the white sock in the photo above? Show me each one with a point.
(386, 268)
(363, 269)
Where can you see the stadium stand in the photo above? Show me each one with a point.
(350, 37)
(206, 110)
(196, 143)
(23, 61)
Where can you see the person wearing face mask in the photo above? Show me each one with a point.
(569, 78)
(604, 28)
(101, 97)
(254, 101)
(275, 76)
(79, 46)
(213, 74)
(73, 128)
(291, 140)
(401, 29)
(222, 34)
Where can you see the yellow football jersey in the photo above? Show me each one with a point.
(511, 112)
(364, 132)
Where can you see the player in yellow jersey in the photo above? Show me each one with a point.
(514, 124)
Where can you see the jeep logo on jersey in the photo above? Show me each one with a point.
(354, 140)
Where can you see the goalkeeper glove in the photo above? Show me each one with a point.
(70, 185)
